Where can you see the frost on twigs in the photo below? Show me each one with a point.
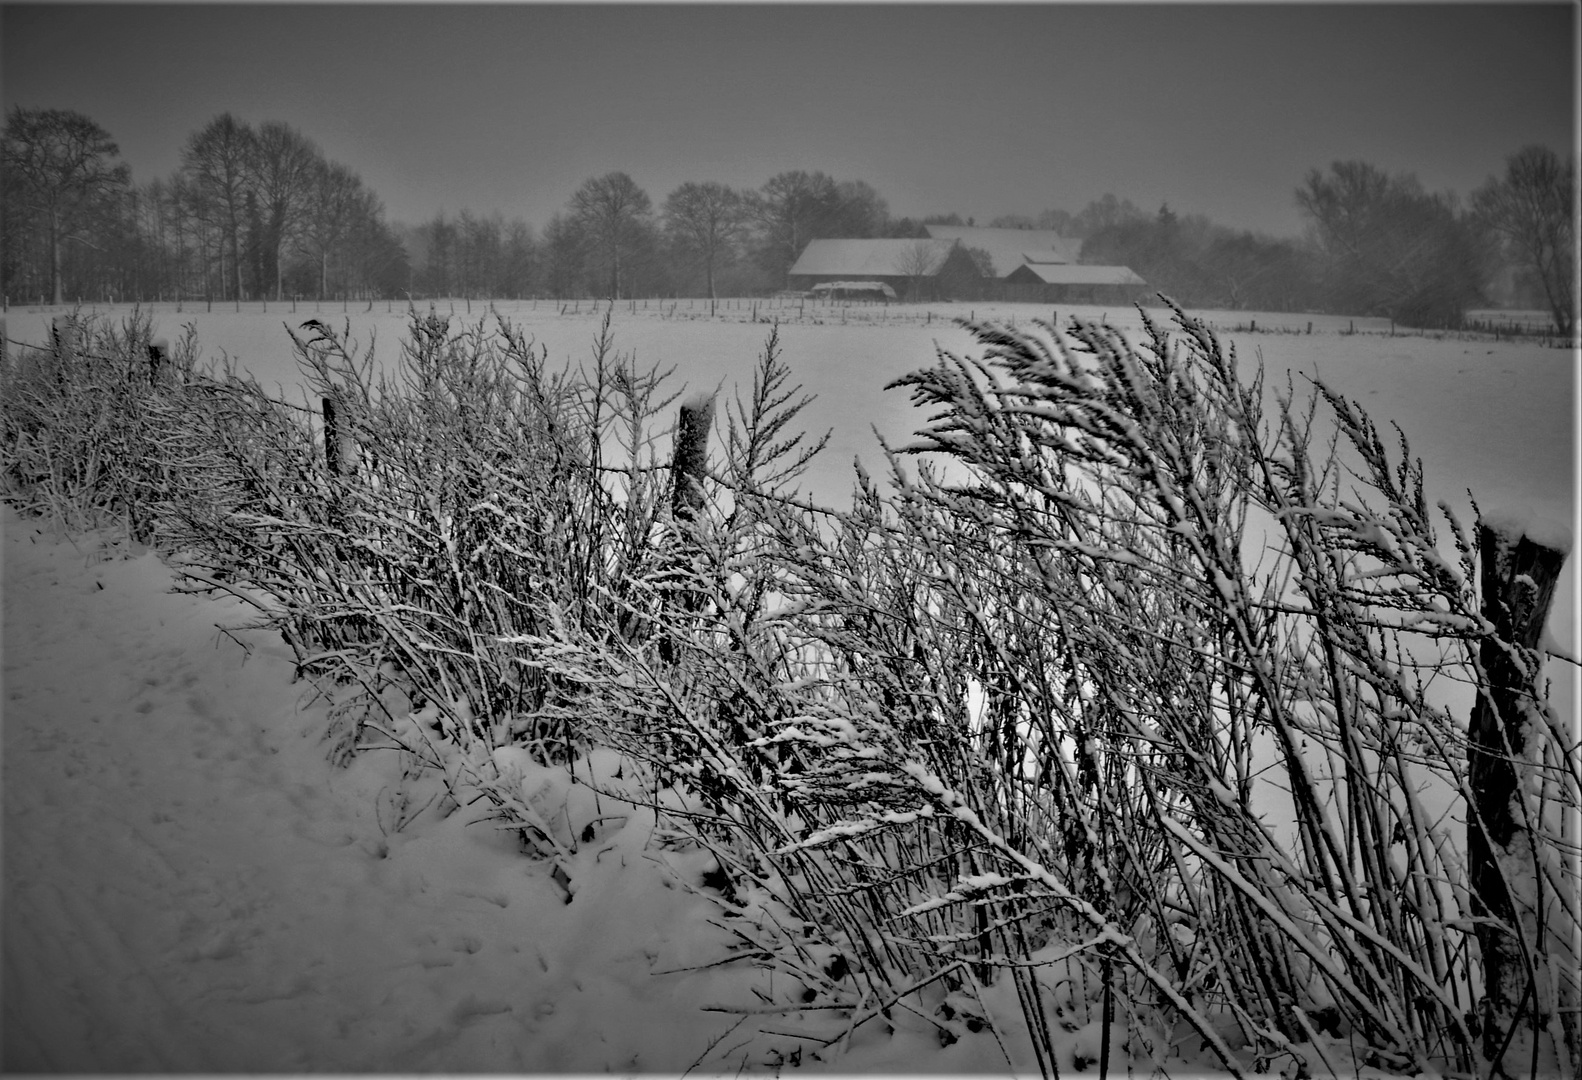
(1153, 669)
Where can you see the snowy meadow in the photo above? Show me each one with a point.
(516, 754)
(1493, 416)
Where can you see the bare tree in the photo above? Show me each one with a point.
(1533, 208)
(705, 220)
(860, 212)
(192, 222)
(564, 250)
(482, 252)
(217, 161)
(611, 209)
(375, 262)
(282, 172)
(1104, 213)
(791, 209)
(521, 259)
(59, 172)
(338, 197)
(1391, 248)
(919, 261)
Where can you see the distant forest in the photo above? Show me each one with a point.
(263, 213)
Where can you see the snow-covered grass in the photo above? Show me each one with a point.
(189, 886)
(842, 357)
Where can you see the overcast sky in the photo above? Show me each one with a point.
(981, 110)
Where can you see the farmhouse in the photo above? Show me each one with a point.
(1010, 248)
(1040, 265)
(916, 269)
(1068, 283)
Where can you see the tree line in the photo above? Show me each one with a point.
(1376, 244)
(262, 213)
(611, 239)
(251, 213)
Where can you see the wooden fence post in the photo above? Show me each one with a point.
(1526, 933)
(340, 446)
(65, 335)
(688, 467)
(158, 357)
(691, 456)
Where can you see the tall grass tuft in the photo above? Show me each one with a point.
(1144, 707)
(83, 420)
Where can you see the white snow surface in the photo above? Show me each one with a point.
(191, 886)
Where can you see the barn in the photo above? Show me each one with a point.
(927, 269)
(1074, 283)
(1041, 265)
(1009, 248)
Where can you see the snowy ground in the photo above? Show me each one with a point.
(190, 886)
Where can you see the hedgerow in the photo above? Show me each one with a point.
(1128, 704)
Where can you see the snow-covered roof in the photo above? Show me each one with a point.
(1010, 248)
(868, 258)
(1075, 274)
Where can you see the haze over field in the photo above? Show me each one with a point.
(981, 110)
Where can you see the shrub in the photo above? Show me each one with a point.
(1137, 706)
(82, 419)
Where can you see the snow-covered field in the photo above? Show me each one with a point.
(189, 885)
(1496, 417)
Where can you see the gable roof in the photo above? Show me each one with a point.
(1074, 274)
(1010, 248)
(867, 258)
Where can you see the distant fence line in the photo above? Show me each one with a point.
(791, 307)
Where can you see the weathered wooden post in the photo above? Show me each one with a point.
(63, 333)
(158, 357)
(340, 446)
(1526, 931)
(690, 462)
(63, 336)
(688, 467)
